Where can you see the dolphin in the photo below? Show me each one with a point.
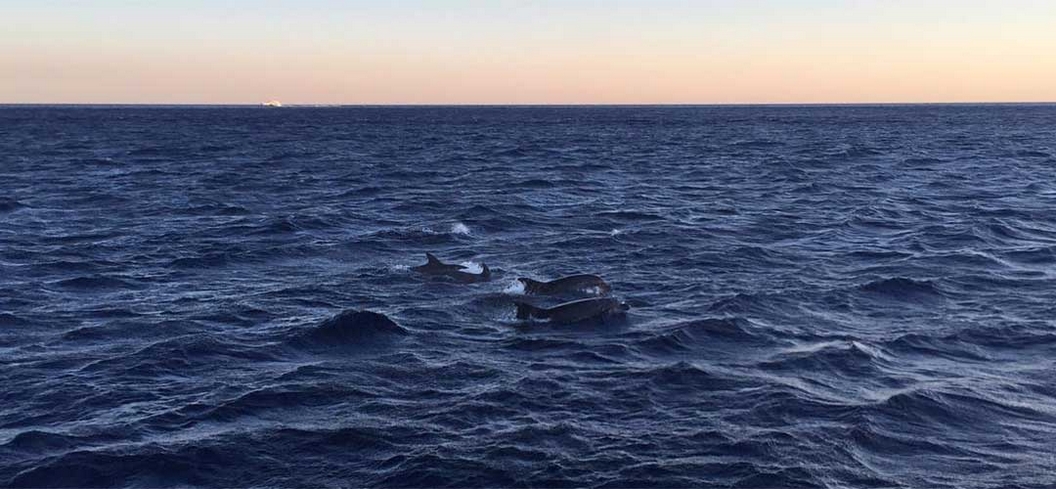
(573, 312)
(564, 285)
(435, 267)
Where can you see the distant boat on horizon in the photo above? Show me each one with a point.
(272, 103)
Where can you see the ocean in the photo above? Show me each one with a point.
(820, 296)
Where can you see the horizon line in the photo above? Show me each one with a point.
(501, 104)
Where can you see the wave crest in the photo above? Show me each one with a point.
(353, 326)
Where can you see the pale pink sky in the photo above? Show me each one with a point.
(367, 52)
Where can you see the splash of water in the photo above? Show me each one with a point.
(459, 228)
(515, 287)
(472, 267)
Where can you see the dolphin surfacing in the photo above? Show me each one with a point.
(573, 312)
(564, 285)
(435, 267)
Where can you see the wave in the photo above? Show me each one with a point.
(746, 304)
(693, 335)
(242, 253)
(216, 148)
(963, 408)
(1043, 255)
(275, 226)
(362, 191)
(215, 209)
(543, 344)
(488, 218)
(758, 144)
(849, 358)
(353, 327)
(255, 403)
(94, 282)
(878, 255)
(414, 235)
(631, 216)
(155, 467)
(82, 265)
(208, 260)
(175, 355)
(149, 151)
(1007, 335)
(9, 205)
(104, 162)
(127, 329)
(874, 439)
(1028, 153)
(8, 319)
(922, 161)
(533, 183)
(903, 288)
(948, 347)
(38, 441)
(684, 375)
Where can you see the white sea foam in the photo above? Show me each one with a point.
(614, 232)
(472, 267)
(459, 228)
(516, 287)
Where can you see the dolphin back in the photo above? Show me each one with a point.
(572, 284)
(528, 311)
(584, 309)
(434, 266)
(531, 286)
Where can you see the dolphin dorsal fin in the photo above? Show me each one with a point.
(433, 260)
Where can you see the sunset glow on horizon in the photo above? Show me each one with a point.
(477, 52)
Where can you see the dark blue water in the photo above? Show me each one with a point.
(821, 296)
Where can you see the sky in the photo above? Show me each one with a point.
(527, 52)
